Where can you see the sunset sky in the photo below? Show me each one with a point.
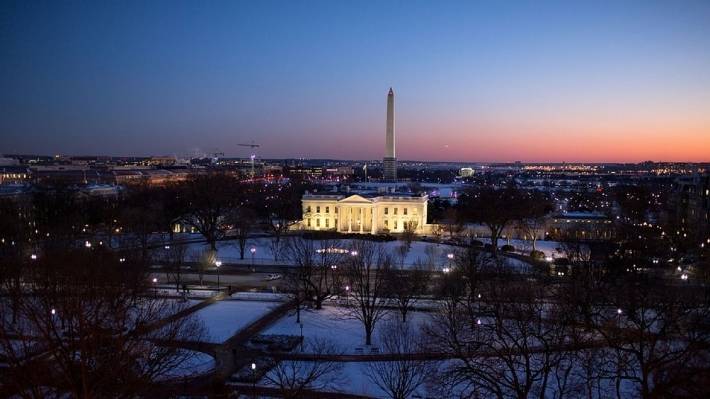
(474, 81)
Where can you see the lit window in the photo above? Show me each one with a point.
(327, 222)
(395, 212)
(387, 210)
(317, 222)
(308, 208)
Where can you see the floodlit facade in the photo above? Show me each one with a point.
(365, 215)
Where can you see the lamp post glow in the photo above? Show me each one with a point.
(155, 287)
(217, 265)
(33, 257)
(253, 252)
(87, 244)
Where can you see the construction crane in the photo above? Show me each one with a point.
(253, 156)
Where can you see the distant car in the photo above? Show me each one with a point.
(272, 277)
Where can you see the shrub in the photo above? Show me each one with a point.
(476, 243)
(537, 255)
(561, 262)
(507, 248)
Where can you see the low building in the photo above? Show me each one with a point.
(365, 214)
(581, 225)
(691, 199)
(14, 174)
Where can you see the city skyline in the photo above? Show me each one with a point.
(478, 82)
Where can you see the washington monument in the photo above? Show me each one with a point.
(390, 160)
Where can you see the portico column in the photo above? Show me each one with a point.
(337, 218)
(362, 220)
(350, 219)
(424, 212)
(373, 226)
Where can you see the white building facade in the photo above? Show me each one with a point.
(365, 215)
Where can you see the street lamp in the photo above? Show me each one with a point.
(217, 264)
(353, 253)
(253, 252)
(253, 379)
(155, 287)
(87, 244)
(618, 318)
(301, 325)
(33, 257)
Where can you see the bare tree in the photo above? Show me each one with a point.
(508, 348)
(86, 329)
(209, 199)
(205, 259)
(316, 267)
(404, 377)
(243, 221)
(365, 272)
(651, 329)
(175, 256)
(294, 378)
(409, 233)
(452, 222)
(497, 209)
(406, 287)
(283, 210)
(532, 228)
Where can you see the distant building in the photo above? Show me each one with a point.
(14, 174)
(304, 172)
(162, 161)
(365, 214)
(340, 171)
(581, 226)
(466, 172)
(691, 198)
(9, 161)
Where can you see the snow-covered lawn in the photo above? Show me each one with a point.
(428, 254)
(197, 363)
(350, 379)
(332, 324)
(225, 318)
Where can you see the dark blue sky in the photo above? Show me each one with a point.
(543, 81)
